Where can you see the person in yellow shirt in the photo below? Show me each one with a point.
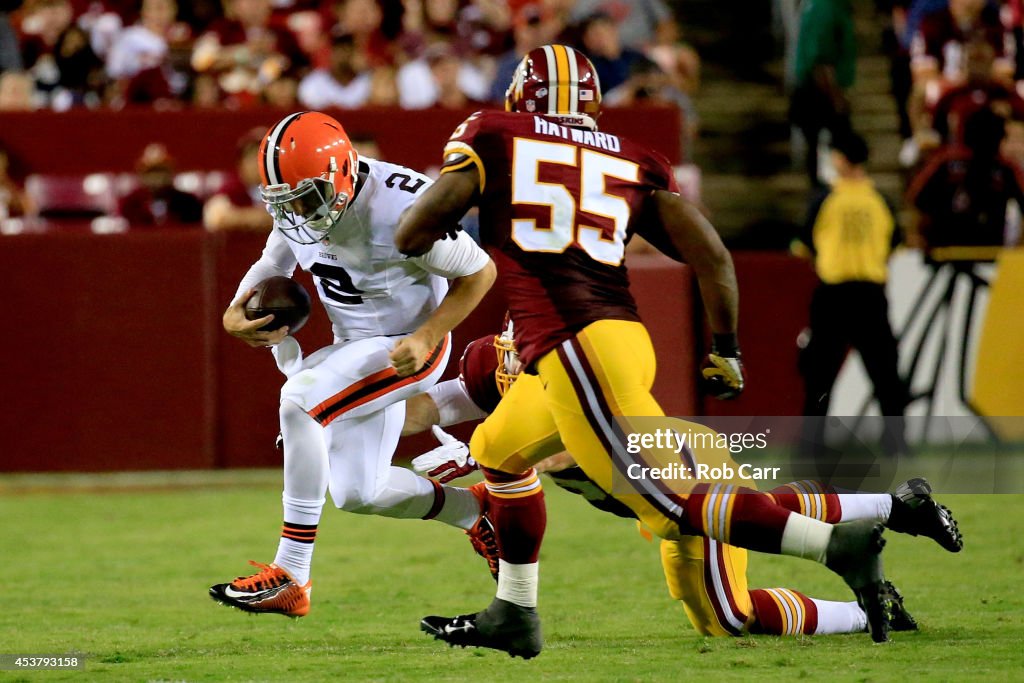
(851, 231)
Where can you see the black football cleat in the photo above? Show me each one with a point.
(855, 553)
(502, 626)
(899, 618)
(915, 512)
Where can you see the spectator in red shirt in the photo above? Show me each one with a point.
(140, 56)
(237, 205)
(145, 45)
(156, 202)
(980, 91)
(362, 19)
(246, 51)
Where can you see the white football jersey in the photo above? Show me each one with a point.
(366, 285)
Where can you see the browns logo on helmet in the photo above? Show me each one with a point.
(308, 169)
(556, 80)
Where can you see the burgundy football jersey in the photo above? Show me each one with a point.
(557, 206)
(476, 370)
(960, 103)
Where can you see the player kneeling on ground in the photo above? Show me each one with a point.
(716, 600)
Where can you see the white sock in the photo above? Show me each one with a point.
(517, 583)
(839, 617)
(295, 558)
(805, 537)
(874, 506)
(461, 508)
(306, 472)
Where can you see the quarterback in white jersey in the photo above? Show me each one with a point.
(343, 406)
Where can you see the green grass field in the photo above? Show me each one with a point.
(121, 576)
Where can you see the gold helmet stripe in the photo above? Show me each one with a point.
(561, 76)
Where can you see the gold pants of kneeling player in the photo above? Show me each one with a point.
(604, 373)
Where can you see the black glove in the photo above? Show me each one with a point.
(722, 371)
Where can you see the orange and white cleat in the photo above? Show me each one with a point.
(481, 535)
(269, 591)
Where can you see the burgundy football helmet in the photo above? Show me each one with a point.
(555, 80)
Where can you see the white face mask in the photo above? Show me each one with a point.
(326, 223)
(302, 213)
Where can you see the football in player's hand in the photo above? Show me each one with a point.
(282, 297)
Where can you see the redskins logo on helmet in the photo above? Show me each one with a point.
(555, 80)
(509, 365)
(308, 167)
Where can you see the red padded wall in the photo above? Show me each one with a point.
(106, 364)
(116, 359)
(39, 142)
(775, 300)
(665, 292)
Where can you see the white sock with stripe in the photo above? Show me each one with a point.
(839, 617)
(306, 472)
(295, 556)
(517, 583)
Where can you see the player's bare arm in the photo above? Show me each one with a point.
(688, 236)
(410, 353)
(695, 241)
(237, 325)
(434, 213)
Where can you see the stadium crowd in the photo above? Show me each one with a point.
(317, 54)
(415, 54)
(951, 60)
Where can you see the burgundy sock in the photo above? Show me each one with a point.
(751, 520)
(515, 506)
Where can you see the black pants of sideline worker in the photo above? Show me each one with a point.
(814, 110)
(854, 314)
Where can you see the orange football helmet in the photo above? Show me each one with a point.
(308, 169)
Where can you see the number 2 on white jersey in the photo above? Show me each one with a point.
(594, 169)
